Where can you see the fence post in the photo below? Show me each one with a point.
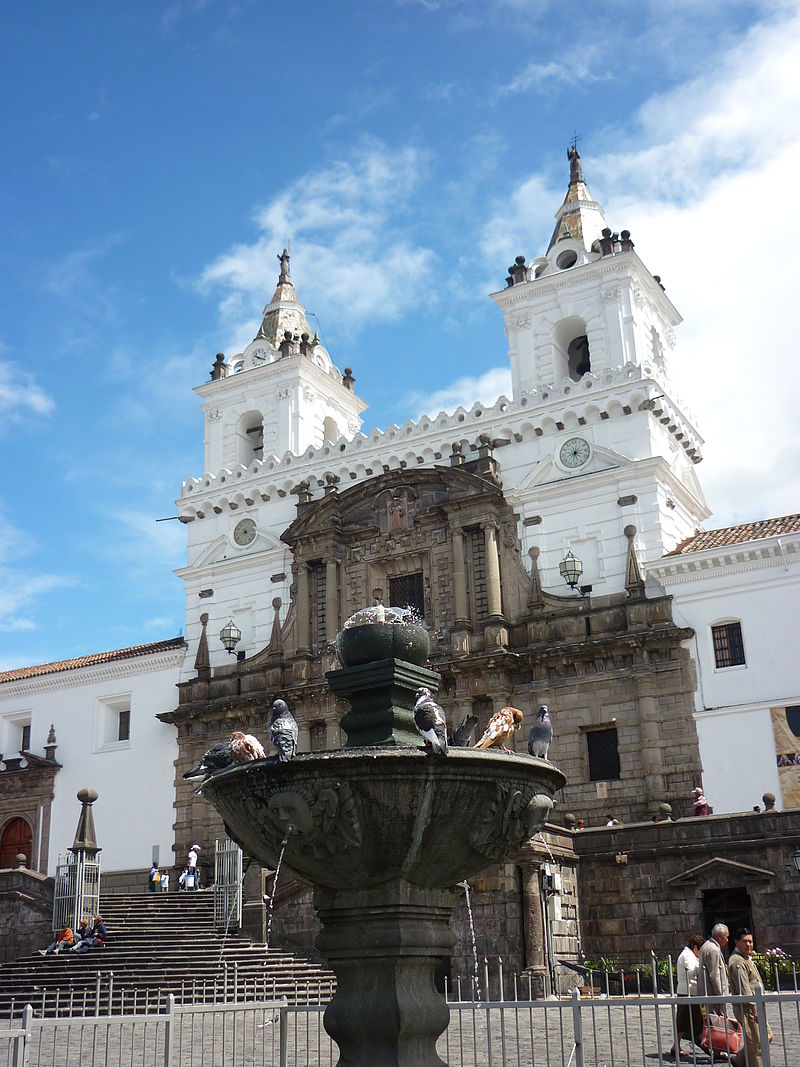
(21, 1043)
(763, 1029)
(168, 1030)
(283, 1036)
(98, 979)
(577, 1026)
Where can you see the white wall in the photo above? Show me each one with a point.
(134, 779)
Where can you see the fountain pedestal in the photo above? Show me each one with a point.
(384, 945)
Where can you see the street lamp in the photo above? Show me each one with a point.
(571, 569)
(230, 636)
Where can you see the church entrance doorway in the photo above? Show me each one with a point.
(728, 906)
(16, 838)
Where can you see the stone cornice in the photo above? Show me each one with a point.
(298, 367)
(82, 676)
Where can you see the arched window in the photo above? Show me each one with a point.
(330, 431)
(251, 437)
(16, 837)
(571, 349)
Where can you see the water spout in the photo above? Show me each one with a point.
(476, 974)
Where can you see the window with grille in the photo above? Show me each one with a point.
(603, 755)
(728, 646)
(407, 591)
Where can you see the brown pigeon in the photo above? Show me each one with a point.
(245, 747)
(501, 727)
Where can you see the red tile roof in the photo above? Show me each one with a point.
(737, 535)
(92, 660)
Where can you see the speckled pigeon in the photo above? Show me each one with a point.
(500, 729)
(541, 734)
(283, 730)
(245, 748)
(430, 722)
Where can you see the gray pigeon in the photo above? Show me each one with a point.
(430, 722)
(541, 734)
(283, 730)
(462, 735)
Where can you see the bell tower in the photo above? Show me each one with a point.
(588, 304)
(281, 394)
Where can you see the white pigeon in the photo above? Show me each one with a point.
(541, 734)
(430, 722)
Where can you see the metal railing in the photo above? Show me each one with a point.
(76, 894)
(570, 1031)
(227, 885)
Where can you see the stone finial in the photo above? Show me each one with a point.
(485, 446)
(634, 576)
(22, 860)
(50, 745)
(456, 455)
(286, 347)
(276, 638)
(348, 379)
(202, 661)
(307, 345)
(303, 492)
(606, 244)
(85, 837)
(535, 593)
(625, 242)
(517, 271)
(218, 370)
(569, 820)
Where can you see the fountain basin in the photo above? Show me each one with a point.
(370, 642)
(364, 817)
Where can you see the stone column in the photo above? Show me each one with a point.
(331, 599)
(303, 620)
(493, 594)
(535, 941)
(384, 945)
(459, 579)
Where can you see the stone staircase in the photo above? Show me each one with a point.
(159, 944)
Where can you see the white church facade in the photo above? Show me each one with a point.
(299, 519)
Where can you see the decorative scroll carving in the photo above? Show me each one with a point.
(509, 821)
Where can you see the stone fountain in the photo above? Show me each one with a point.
(383, 831)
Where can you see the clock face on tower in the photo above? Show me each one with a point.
(258, 355)
(244, 532)
(574, 453)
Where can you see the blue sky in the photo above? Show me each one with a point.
(159, 155)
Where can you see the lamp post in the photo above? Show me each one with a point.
(230, 635)
(571, 569)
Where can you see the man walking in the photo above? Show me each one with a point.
(712, 980)
(744, 978)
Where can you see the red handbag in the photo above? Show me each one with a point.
(721, 1033)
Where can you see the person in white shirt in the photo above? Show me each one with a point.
(688, 1017)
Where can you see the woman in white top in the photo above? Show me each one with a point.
(688, 1017)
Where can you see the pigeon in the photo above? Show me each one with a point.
(283, 731)
(430, 722)
(501, 727)
(461, 736)
(245, 748)
(216, 759)
(541, 734)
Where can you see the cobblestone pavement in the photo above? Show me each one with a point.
(537, 1035)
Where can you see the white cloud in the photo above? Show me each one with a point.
(349, 225)
(464, 392)
(20, 394)
(20, 594)
(575, 68)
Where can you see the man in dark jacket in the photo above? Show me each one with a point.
(96, 937)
